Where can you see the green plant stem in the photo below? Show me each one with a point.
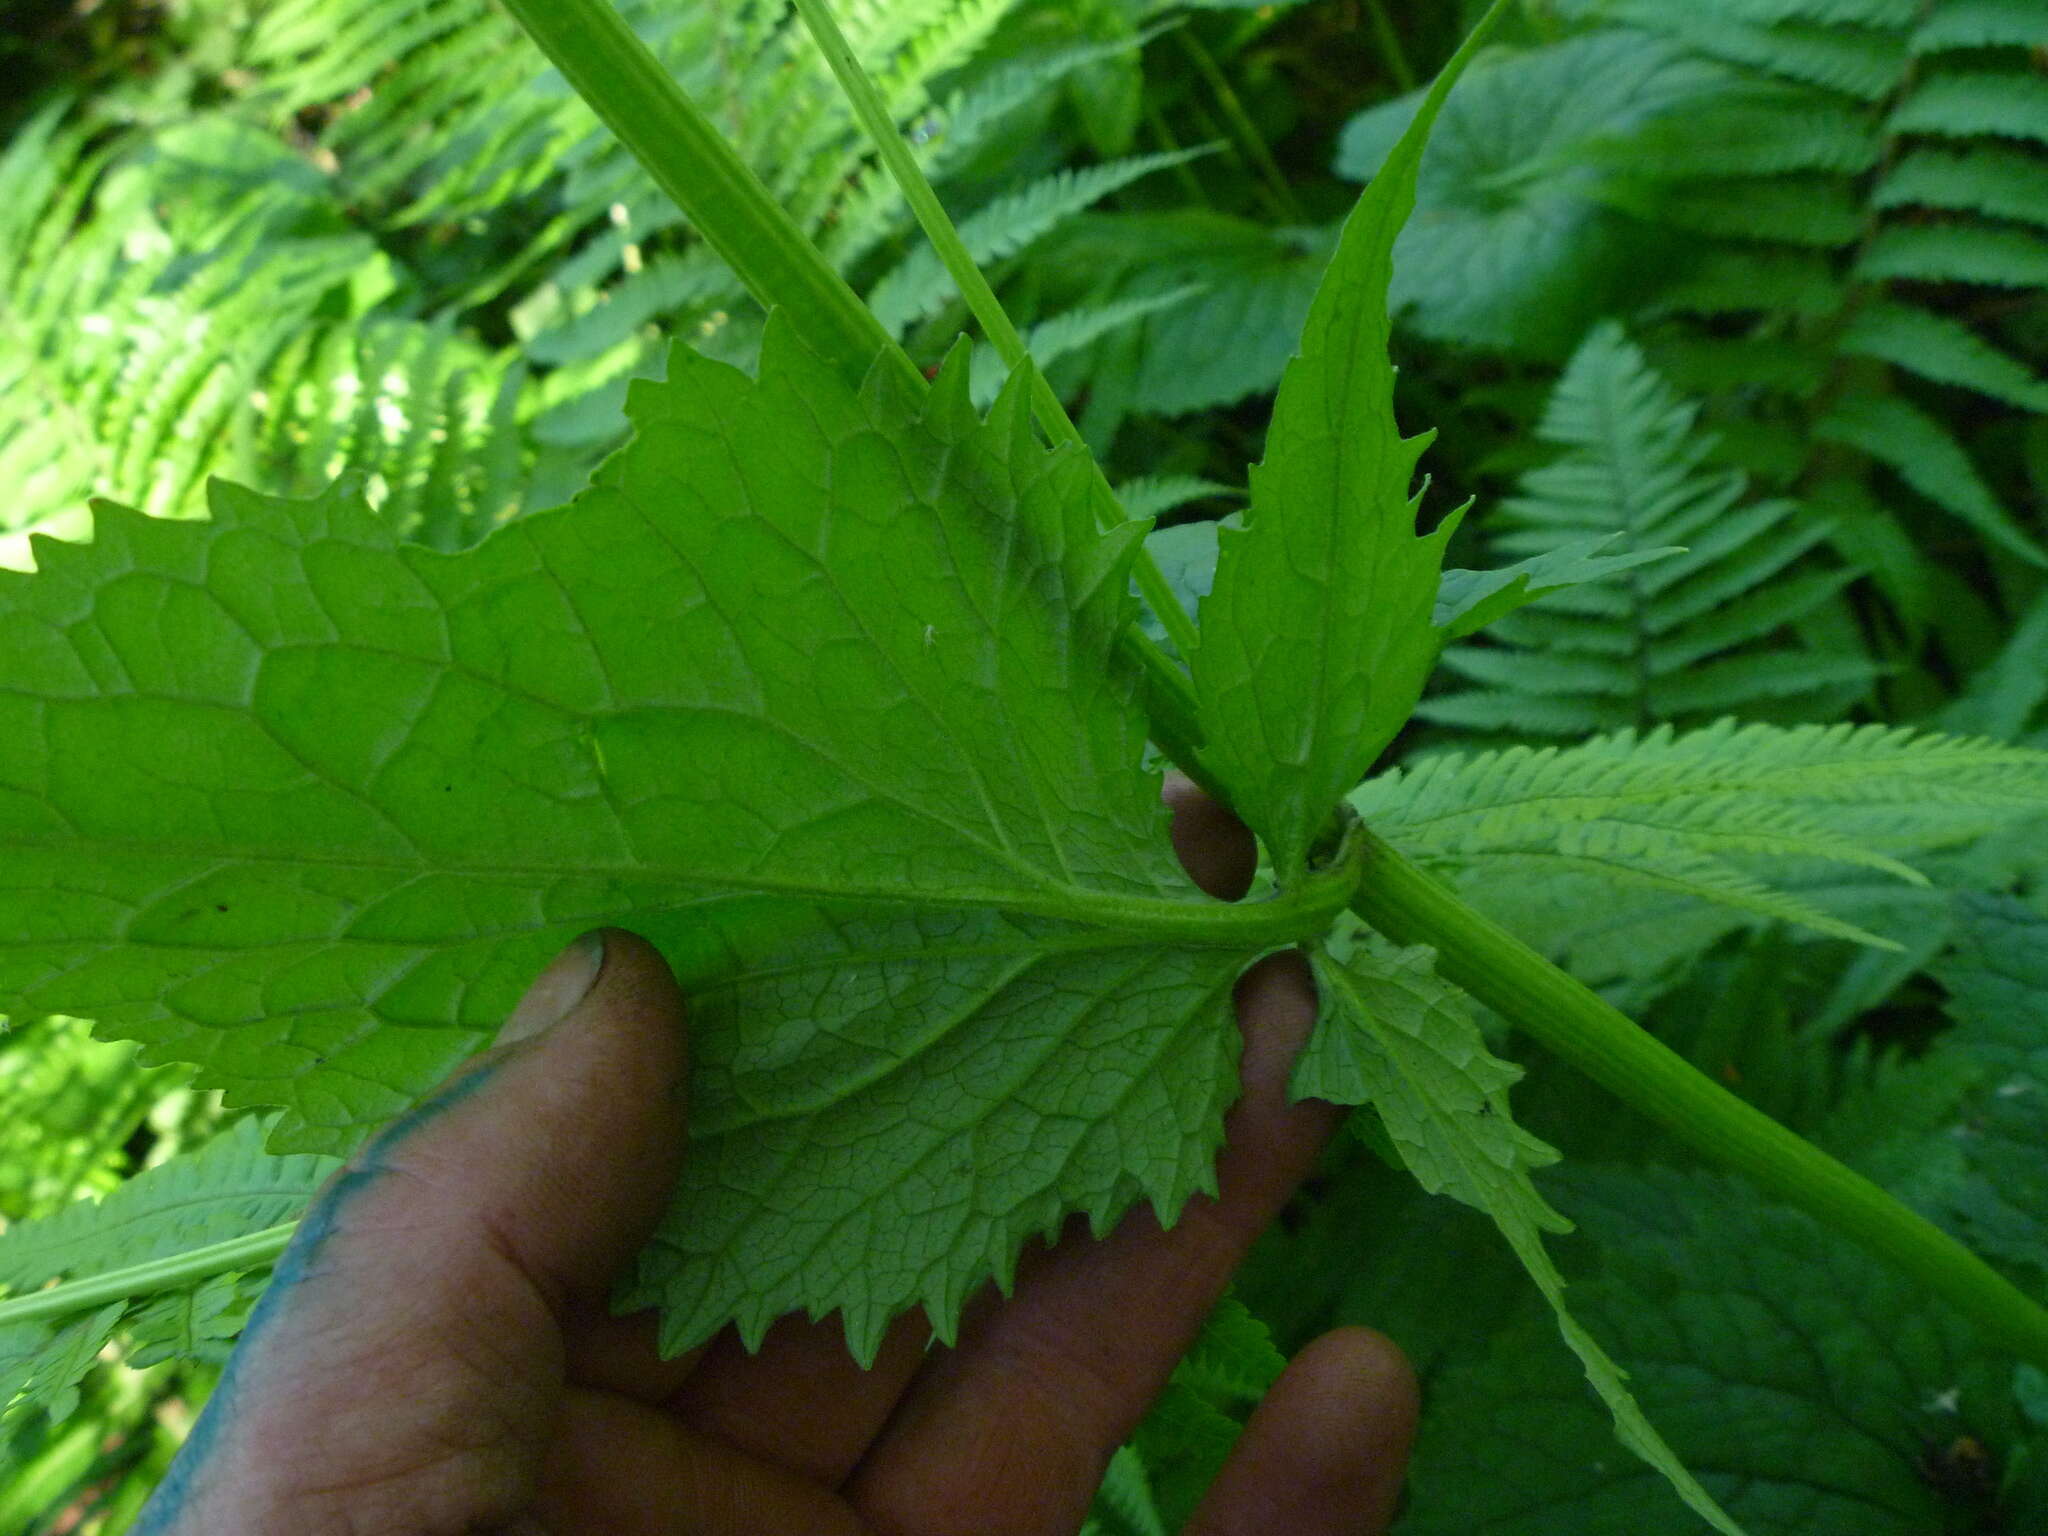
(1190, 183)
(1392, 54)
(691, 161)
(1278, 193)
(252, 1251)
(1411, 906)
(938, 227)
(717, 191)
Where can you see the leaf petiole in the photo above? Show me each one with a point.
(1302, 912)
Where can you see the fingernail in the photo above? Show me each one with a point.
(558, 991)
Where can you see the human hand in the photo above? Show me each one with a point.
(435, 1357)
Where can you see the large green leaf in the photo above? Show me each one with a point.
(1397, 1037)
(886, 1106)
(1816, 1389)
(288, 798)
(1996, 977)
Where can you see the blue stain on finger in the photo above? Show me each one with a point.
(300, 1260)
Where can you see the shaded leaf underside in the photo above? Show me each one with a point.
(285, 797)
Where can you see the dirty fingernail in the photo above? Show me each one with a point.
(558, 991)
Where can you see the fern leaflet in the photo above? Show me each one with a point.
(1689, 636)
(1996, 179)
(1866, 64)
(1898, 433)
(1982, 24)
(1944, 349)
(160, 1254)
(1713, 813)
(1961, 104)
(919, 286)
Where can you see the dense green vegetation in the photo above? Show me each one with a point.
(1765, 282)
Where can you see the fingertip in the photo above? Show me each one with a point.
(629, 1017)
(1360, 1376)
(564, 1141)
(1327, 1450)
(637, 983)
(1276, 1008)
(1216, 849)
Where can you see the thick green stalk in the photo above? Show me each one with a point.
(626, 85)
(1392, 54)
(253, 1251)
(1411, 906)
(1251, 144)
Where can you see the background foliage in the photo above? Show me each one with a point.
(1765, 280)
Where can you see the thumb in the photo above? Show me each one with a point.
(404, 1367)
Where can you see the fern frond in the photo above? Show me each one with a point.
(1765, 186)
(431, 422)
(139, 346)
(1687, 636)
(201, 316)
(1855, 13)
(948, 136)
(1919, 449)
(42, 1366)
(2001, 180)
(1943, 349)
(1866, 64)
(197, 1324)
(1730, 279)
(1742, 683)
(310, 51)
(229, 1188)
(923, 45)
(919, 286)
(1790, 210)
(1942, 253)
(1964, 103)
(379, 70)
(1982, 24)
(1052, 339)
(1714, 813)
(2004, 697)
(1153, 496)
(970, 119)
(905, 46)
(689, 282)
(252, 337)
(1767, 130)
(1513, 712)
(613, 261)
(127, 1249)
